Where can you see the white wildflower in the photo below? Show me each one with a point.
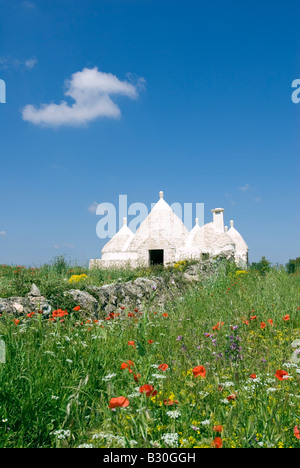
(170, 439)
(61, 434)
(159, 376)
(173, 414)
(206, 422)
(108, 377)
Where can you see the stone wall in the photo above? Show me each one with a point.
(99, 301)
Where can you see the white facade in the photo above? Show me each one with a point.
(162, 238)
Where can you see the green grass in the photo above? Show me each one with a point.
(53, 279)
(61, 376)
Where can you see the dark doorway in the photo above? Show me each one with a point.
(156, 257)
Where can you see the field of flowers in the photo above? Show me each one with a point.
(218, 367)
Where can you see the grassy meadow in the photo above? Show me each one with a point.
(217, 367)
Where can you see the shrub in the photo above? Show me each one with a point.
(263, 266)
(293, 266)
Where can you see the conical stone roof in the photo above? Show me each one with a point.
(120, 241)
(161, 228)
(241, 245)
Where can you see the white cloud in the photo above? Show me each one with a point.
(2, 233)
(245, 188)
(30, 63)
(91, 91)
(64, 246)
(8, 63)
(230, 197)
(93, 207)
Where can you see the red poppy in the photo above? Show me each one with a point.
(16, 321)
(77, 308)
(120, 402)
(217, 442)
(112, 315)
(218, 326)
(59, 313)
(253, 317)
(165, 314)
(286, 317)
(296, 432)
(170, 402)
(131, 343)
(127, 365)
(150, 341)
(233, 396)
(263, 325)
(199, 371)
(270, 321)
(163, 367)
(281, 375)
(253, 376)
(137, 377)
(218, 428)
(148, 389)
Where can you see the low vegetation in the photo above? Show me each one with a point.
(216, 367)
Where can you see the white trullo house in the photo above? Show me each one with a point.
(162, 238)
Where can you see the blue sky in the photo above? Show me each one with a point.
(195, 101)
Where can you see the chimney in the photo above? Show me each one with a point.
(218, 219)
